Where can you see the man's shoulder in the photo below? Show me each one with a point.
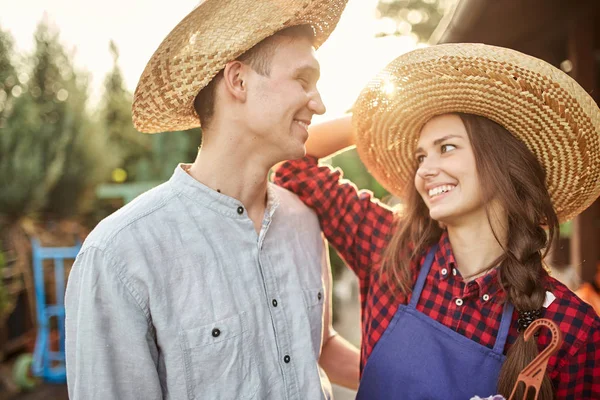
(289, 202)
(296, 218)
(138, 211)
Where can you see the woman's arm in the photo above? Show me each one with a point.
(339, 358)
(327, 138)
(578, 376)
(356, 224)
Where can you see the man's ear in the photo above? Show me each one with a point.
(234, 76)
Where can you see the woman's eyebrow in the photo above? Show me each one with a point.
(438, 141)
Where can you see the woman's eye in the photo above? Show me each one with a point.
(447, 147)
(420, 159)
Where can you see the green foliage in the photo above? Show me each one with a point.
(355, 171)
(8, 75)
(115, 121)
(168, 149)
(18, 122)
(50, 155)
(419, 17)
(566, 229)
(19, 173)
(143, 157)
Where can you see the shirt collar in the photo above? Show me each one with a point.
(181, 182)
(489, 283)
(446, 264)
(444, 258)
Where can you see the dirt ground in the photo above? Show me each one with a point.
(41, 392)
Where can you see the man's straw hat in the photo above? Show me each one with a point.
(538, 103)
(216, 32)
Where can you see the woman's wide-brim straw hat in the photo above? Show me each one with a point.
(213, 34)
(538, 103)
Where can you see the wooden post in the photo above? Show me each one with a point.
(585, 239)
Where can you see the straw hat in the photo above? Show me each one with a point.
(216, 32)
(539, 104)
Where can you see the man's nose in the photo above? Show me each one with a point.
(315, 104)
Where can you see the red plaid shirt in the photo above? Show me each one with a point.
(359, 227)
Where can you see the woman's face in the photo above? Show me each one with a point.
(447, 177)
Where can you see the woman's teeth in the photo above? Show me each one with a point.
(440, 189)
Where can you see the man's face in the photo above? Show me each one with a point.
(280, 106)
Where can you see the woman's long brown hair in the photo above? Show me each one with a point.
(510, 175)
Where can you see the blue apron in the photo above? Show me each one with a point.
(420, 358)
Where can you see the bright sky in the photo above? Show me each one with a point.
(348, 60)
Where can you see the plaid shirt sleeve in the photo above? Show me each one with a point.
(355, 224)
(575, 368)
(578, 376)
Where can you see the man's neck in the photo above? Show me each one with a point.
(227, 166)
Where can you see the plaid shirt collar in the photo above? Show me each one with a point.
(487, 286)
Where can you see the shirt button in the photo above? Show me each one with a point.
(319, 296)
(459, 302)
(274, 303)
(454, 271)
(444, 271)
(240, 210)
(286, 359)
(216, 332)
(486, 297)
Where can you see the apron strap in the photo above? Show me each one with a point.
(416, 294)
(504, 327)
(507, 312)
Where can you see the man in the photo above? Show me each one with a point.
(214, 285)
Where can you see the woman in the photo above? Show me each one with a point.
(489, 149)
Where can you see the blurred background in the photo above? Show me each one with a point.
(69, 155)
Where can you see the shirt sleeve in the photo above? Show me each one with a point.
(355, 224)
(579, 377)
(110, 347)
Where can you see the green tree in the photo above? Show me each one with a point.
(51, 155)
(168, 149)
(18, 121)
(8, 75)
(416, 17)
(126, 142)
(144, 157)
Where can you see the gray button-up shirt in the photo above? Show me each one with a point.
(175, 296)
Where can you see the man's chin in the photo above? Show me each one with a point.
(301, 152)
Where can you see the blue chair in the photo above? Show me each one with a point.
(49, 364)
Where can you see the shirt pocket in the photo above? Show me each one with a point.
(314, 300)
(219, 360)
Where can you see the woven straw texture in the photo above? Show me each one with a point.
(216, 32)
(536, 102)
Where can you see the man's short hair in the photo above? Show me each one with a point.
(258, 58)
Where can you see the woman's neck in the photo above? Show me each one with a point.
(476, 248)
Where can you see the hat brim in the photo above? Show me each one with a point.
(213, 34)
(539, 104)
